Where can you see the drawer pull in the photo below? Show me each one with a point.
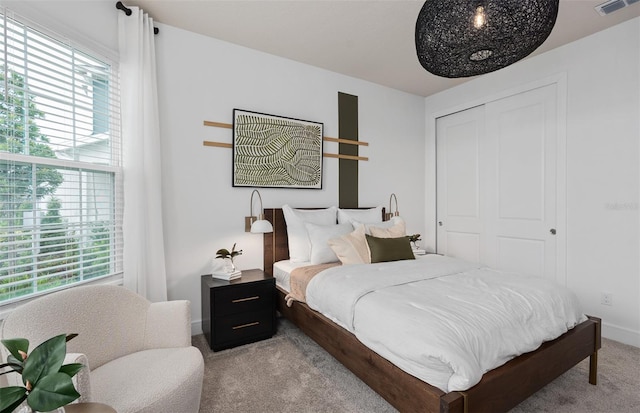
(255, 323)
(240, 300)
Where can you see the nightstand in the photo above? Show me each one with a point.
(239, 311)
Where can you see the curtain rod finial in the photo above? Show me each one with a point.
(121, 6)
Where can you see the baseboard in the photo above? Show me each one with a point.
(196, 327)
(621, 334)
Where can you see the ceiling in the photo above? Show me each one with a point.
(367, 39)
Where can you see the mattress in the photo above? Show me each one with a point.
(443, 320)
(282, 272)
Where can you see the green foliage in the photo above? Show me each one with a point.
(53, 391)
(225, 253)
(59, 252)
(15, 346)
(48, 383)
(97, 254)
(11, 397)
(414, 237)
(19, 133)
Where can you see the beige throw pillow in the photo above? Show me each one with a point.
(397, 230)
(351, 248)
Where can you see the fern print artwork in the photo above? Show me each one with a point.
(274, 151)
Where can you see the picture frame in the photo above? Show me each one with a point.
(271, 151)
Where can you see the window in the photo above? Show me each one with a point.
(60, 173)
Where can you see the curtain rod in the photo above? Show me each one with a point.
(127, 11)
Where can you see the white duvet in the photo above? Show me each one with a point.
(443, 320)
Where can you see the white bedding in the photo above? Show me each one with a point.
(443, 320)
(282, 272)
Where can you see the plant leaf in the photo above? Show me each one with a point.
(15, 367)
(15, 344)
(11, 397)
(71, 369)
(51, 392)
(223, 252)
(45, 359)
(71, 336)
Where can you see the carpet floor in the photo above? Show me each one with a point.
(291, 373)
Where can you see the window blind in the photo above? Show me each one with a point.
(60, 163)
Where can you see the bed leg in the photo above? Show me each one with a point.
(593, 359)
(454, 402)
(593, 368)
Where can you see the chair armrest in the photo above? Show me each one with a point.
(168, 324)
(82, 380)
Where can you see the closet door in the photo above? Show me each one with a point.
(521, 131)
(497, 183)
(460, 215)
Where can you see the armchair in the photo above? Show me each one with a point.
(138, 354)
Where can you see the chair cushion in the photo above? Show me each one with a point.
(158, 380)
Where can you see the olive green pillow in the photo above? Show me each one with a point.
(389, 249)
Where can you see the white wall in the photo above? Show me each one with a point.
(602, 157)
(201, 78)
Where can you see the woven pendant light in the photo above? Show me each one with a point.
(461, 38)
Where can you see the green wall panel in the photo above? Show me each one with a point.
(347, 168)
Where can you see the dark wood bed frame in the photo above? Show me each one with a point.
(499, 390)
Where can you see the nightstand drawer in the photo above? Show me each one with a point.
(237, 328)
(247, 298)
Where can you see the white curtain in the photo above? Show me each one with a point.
(144, 263)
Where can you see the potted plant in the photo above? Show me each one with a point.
(413, 239)
(47, 383)
(229, 256)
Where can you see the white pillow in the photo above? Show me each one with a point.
(366, 216)
(319, 235)
(384, 225)
(299, 245)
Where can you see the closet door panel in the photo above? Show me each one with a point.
(521, 191)
(497, 183)
(459, 214)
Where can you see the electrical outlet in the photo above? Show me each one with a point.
(606, 299)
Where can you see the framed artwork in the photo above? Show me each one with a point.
(276, 152)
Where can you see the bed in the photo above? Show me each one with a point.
(498, 390)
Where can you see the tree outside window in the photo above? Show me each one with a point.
(60, 171)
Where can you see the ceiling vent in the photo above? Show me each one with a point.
(613, 5)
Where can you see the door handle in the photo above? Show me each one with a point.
(552, 231)
(440, 223)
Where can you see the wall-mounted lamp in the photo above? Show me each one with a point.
(257, 225)
(390, 214)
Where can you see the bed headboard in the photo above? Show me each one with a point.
(276, 243)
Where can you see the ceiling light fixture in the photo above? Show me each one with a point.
(462, 38)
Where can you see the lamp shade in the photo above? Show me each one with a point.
(261, 226)
(462, 38)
